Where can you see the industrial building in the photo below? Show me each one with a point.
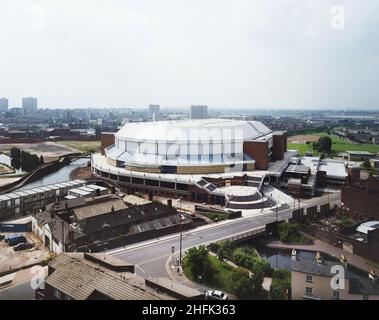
(305, 174)
(22, 202)
(103, 222)
(90, 190)
(207, 161)
(359, 155)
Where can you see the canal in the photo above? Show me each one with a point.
(61, 175)
(282, 258)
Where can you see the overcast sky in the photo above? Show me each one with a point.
(235, 53)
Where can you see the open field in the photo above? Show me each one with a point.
(82, 146)
(303, 148)
(338, 144)
(49, 150)
(52, 150)
(303, 138)
(4, 169)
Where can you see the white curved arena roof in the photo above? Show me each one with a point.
(192, 130)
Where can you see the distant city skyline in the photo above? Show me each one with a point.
(243, 54)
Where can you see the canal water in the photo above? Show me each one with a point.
(281, 258)
(61, 175)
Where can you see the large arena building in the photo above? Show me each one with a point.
(213, 161)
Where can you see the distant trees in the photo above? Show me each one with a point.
(323, 145)
(24, 160)
(16, 158)
(97, 131)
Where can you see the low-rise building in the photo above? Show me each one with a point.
(358, 155)
(374, 163)
(312, 173)
(22, 202)
(103, 222)
(312, 280)
(78, 276)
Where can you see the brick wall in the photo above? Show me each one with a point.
(107, 139)
(363, 203)
(279, 142)
(258, 150)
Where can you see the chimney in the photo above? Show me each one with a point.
(294, 254)
(371, 276)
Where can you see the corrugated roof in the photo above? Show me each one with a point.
(95, 209)
(79, 279)
(134, 200)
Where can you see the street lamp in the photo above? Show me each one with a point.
(180, 231)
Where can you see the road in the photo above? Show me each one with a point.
(150, 257)
(21, 285)
(20, 291)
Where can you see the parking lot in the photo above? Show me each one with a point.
(11, 260)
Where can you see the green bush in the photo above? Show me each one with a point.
(196, 260)
(281, 285)
(288, 233)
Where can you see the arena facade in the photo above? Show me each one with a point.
(210, 160)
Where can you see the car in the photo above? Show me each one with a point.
(13, 240)
(22, 246)
(215, 295)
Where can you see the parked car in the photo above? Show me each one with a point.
(22, 246)
(215, 295)
(14, 240)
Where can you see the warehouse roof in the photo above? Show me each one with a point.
(98, 206)
(333, 168)
(134, 200)
(297, 168)
(79, 278)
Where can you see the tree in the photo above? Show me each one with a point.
(226, 249)
(325, 144)
(15, 158)
(245, 287)
(97, 131)
(221, 254)
(198, 263)
(281, 285)
(242, 284)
